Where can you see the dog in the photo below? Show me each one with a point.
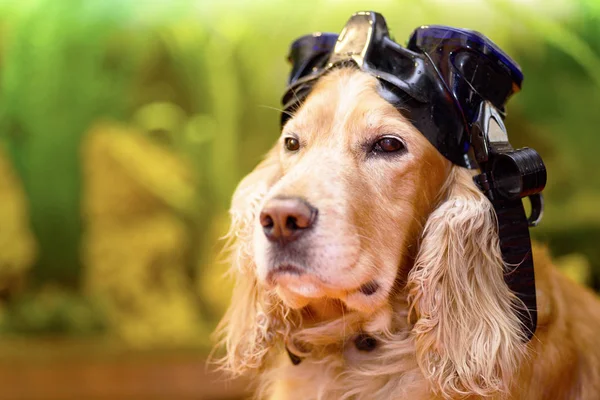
(368, 266)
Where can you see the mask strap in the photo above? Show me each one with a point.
(507, 176)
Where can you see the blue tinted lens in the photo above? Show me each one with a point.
(429, 38)
(307, 51)
(315, 42)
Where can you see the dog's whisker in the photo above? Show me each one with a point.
(289, 113)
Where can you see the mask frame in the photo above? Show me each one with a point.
(452, 85)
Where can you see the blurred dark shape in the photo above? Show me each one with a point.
(17, 244)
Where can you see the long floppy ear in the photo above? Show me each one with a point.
(255, 317)
(467, 334)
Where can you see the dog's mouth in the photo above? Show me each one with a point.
(300, 282)
(284, 269)
(319, 300)
(297, 280)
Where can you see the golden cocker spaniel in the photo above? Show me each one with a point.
(368, 267)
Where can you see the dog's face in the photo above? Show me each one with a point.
(357, 182)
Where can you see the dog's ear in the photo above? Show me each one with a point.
(250, 326)
(467, 334)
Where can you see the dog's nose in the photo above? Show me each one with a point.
(284, 219)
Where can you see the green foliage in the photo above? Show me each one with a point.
(63, 67)
(53, 312)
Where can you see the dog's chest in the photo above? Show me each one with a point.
(350, 374)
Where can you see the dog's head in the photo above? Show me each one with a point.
(354, 211)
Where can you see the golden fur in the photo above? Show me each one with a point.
(444, 319)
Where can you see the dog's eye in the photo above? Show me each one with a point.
(388, 144)
(291, 144)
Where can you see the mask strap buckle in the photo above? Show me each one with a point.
(506, 172)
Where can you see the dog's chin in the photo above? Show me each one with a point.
(300, 290)
(297, 289)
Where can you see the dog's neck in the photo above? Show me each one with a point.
(346, 354)
(331, 328)
(323, 310)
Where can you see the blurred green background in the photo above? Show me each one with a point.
(125, 126)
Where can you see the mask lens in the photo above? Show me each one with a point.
(308, 52)
(469, 62)
(488, 79)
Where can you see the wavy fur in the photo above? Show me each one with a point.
(256, 318)
(468, 336)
